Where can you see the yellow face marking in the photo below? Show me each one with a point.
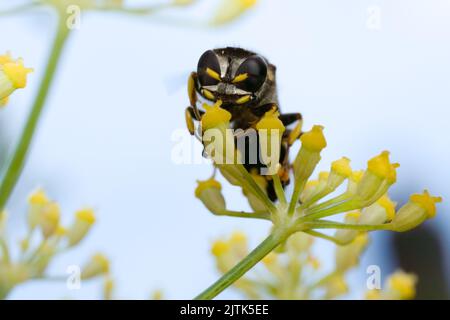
(208, 94)
(213, 74)
(243, 99)
(239, 78)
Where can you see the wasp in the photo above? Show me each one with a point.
(245, 83)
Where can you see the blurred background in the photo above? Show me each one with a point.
(374, 73)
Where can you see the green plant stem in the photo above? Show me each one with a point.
(270, 243)
(4, 250)
(324, 224)
(327, 237)
(242, 214)
(279, 189)
(252, 185)
(17, 161)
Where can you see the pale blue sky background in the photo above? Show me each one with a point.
(105, 136)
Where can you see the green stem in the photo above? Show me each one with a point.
(295, 196)
(252, 185)
(242, 214)
(4, 250)
(279, 189)
(324, 224)
(327, 237)
(17, 162)
(270, 243)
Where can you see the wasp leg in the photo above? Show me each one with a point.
(192, 93)
(191, 117)
(296, 132)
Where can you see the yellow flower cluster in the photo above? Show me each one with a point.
(13, 76)
(399, 286)
(45, 239)
(366, 192)
(229, 10)
(364, 202)
(292, 272)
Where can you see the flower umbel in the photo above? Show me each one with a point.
(45, 239)
(13, 76)
(365, 201)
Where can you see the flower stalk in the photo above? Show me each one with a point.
(267, 246)
(16, 164)
(365, 201)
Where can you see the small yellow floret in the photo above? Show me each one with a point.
(382, 167)
(102, 261)
(87, 215)
(247, 4)
(61, 231)
(17, 73)
(311, 184)
(52, 213)
(427, 202)
(373, 294)
(323, 175)
(5, 58)
(314, 262)
(214, 116)
(314, 140)
(4, 102)
(238, 238)
(353, 215)
(219, 248)
(356, 176)
(270, 121)
(404, 283)
(38, 198)
(388, 205)
(270, 259)
(207, 184)
(342, 167)
(362, 239)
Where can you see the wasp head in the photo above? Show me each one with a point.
(233, 75)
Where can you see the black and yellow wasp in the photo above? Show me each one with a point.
(245, 82)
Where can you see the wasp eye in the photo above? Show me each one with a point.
(251, 74)
(208, 69)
